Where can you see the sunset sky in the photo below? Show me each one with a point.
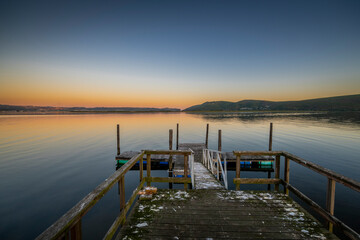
(176, 53)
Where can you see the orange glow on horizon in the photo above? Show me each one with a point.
(34, 90)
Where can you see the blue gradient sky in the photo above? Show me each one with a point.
(176, 53)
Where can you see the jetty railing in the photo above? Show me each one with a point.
(69, 225)
(333, 177)
(212, 160)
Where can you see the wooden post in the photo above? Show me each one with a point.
(118, 140)
(177, 136)
(219, 141)
(238, 158)
(170, 139)
(148, 167)
(122, 193)
(141, 168)
(270, 137)
(287, 173)
(186, 164)
(170, 147)
(207, 136)
(330, 200)
(75, 232)
(277, 171)
(170, 157)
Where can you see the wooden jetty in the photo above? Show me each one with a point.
(209, 210)
(161, 161)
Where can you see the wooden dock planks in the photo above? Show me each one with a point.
(221, 214)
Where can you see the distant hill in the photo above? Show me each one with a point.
(341, 103)
(14, 108)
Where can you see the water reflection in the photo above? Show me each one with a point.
(49, 163)
(347, 118)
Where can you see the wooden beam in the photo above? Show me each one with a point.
(257, 153)
(177, 136)
(330, 200)
(148, 167)
(325, 172)
(287, 173)
(76, 232)
(168, 152)
(186, 164)
(270, 137)
(238, 159)
(219, 141)
(118, 140)
(169, 179)
(170, 139)
(207, 136)
(257, 181)
(141, 169)
(170, 148)
(122, 192)
(277, 171)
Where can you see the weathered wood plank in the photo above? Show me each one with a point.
(169, 152)
(257, 181)
(258, 153)
(169, 179)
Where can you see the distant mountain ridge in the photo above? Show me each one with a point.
(339, 103)
(83, 109)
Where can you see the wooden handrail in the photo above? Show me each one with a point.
(332, 176)
(317, 168)
(70, 219)
(325, 172)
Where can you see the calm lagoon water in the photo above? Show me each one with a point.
(50, 162)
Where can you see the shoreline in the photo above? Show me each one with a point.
(4, 113)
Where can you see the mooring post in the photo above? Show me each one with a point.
(270, 137)
(207, 136)
(170, 139)
(330, 200)
(219, 141)
(177, 136)
(118, 140)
